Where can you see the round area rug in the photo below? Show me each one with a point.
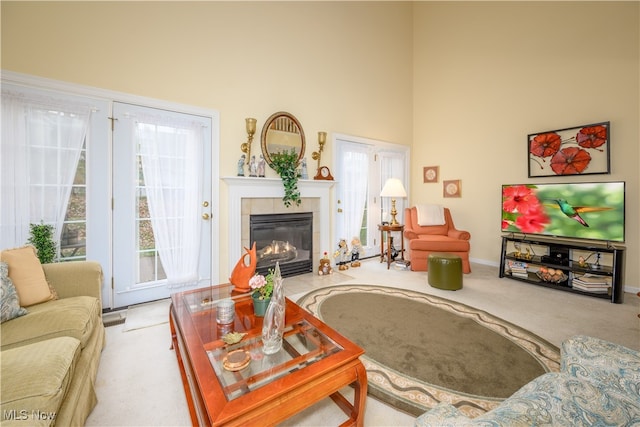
(421, 349)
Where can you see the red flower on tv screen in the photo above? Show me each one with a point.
(522, 209)
(534, 221)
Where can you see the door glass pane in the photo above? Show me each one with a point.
(365, 228)
(149, 265)
(73, 240)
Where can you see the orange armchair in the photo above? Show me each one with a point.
(434, 238)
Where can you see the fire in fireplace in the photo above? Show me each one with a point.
(286, 238)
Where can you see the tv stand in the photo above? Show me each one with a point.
(587, 268)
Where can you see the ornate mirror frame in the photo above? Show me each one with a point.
(282, 132)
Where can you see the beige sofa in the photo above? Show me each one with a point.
(49, 356)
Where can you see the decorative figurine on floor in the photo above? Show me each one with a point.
(394, 252)
(325, 266)
(356, 251)
(243, 158)
(261, 166)
(242, 272)
(253, 167)
(342, 255)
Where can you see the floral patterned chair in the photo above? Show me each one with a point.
(598, 384)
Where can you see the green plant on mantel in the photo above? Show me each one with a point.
(285, 164)
(42, 239)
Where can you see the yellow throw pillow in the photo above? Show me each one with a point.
(27, 275)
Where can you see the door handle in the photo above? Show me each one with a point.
(339, 210)
(206, 216)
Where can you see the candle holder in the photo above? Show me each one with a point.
(323, 171)
(322, 139)
(251, 130)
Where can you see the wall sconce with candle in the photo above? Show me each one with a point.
(323, 172)
(251, 130)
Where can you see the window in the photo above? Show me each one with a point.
(43, 167)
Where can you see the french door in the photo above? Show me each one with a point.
(162, 203)
(135, 203)
(363, 166)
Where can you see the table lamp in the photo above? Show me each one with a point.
(393, 188)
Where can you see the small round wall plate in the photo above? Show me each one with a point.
(452, 188)
(236, 360)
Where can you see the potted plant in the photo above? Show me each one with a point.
(262, 287)
(285, 164)
(42, 239)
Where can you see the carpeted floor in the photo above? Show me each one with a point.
(139, 382)
(422, 349)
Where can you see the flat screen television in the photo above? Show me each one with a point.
(585, 210)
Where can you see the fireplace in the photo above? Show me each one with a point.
(249, 196)
(286, 238)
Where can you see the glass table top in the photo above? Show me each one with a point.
(303, 343)
(302, 346)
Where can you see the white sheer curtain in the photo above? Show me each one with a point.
(392, 166)
(172, 159)
(354, 179)
(42, 138)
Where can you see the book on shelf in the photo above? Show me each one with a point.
(518, 269)
(592, 283)
(594, 289)
(589, 278)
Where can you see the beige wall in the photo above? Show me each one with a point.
(338, 67)
(489, 73)
(463, 82)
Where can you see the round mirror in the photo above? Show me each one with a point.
(282, 133)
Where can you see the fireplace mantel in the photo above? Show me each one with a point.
(252, 188)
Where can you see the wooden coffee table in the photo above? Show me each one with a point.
(315, 362)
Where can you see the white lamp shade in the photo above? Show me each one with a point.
(393, 188)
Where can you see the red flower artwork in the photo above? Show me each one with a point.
(571, 151)
(570, 161)
(592, 136)
(545, 144)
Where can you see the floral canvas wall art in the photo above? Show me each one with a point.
(581, 150)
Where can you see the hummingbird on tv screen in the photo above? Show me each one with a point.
(574, 212)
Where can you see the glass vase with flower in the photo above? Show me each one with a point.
(273, 324)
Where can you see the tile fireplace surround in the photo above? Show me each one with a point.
(264, 195)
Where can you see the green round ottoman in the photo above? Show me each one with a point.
(444, 271)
